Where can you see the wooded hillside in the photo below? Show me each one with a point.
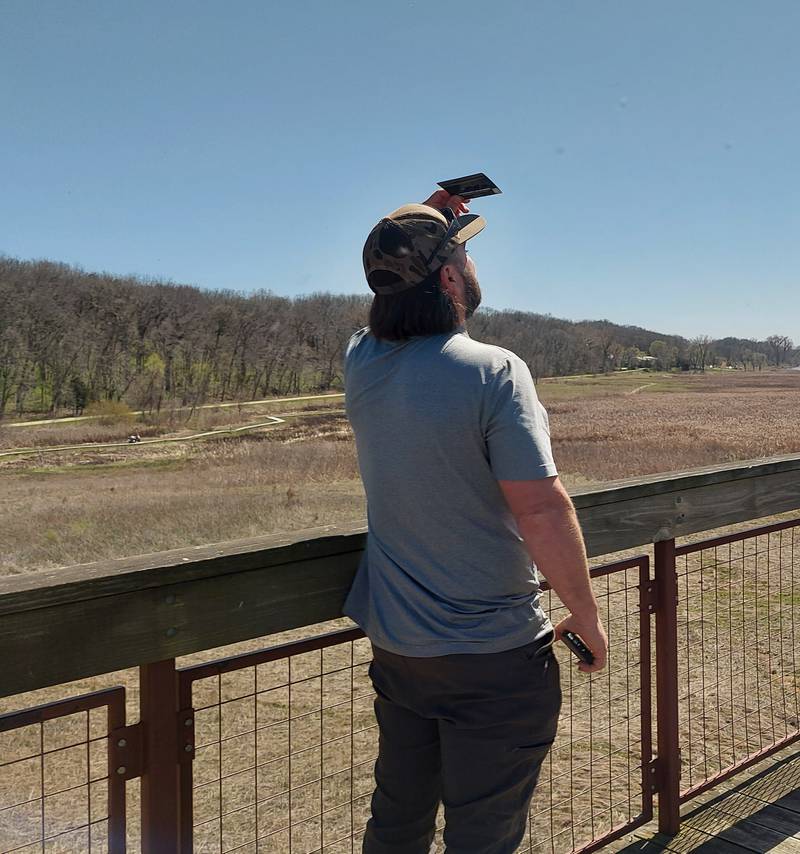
(68, 338)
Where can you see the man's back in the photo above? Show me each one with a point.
(462, 496)
(438, 420)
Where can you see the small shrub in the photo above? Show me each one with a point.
(110, 411)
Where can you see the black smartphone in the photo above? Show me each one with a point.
(471, 186)
(580, 649)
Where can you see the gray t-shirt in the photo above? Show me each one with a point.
(438, 420)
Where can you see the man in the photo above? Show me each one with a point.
(462, 495)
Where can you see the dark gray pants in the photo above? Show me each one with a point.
(471, 730)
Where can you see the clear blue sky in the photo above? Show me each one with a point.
(648, 151)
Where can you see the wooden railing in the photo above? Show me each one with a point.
(82, 621)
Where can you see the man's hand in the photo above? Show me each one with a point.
(593, 634)
(441, 199)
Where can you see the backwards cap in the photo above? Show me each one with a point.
(397, 253)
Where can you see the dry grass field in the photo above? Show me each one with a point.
(169, 423)
(67, 507)
(261, 754)
(624, 426)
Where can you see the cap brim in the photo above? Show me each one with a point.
(469, 226)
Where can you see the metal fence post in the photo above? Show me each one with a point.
(669, 762)
(158, 708)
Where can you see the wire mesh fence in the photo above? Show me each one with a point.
(285, 744)
(56, 793)
(286, 740)
(738, 649)
(595, 784)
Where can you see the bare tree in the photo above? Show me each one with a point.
(664, 354)
(700, 352)
(68, 337)
(781, 345)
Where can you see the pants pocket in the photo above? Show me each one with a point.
(539, 648)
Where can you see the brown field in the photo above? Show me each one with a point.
(67, 507)
(168, 423)
(78, 506)
(676, 423)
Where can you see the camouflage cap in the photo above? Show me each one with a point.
(399, 251)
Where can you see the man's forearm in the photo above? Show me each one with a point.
(554, 541)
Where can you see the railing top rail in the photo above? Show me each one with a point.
(666, 482)
(162, 569)
(113, 614)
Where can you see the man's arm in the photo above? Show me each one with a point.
(549, 526)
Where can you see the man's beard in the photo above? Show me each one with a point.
(472, 293)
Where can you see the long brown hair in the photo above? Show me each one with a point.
(425, 309)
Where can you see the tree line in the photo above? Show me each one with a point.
(69, 338)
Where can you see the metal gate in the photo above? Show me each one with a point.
(285, 740)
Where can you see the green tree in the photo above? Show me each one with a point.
(79, 393)
(664, 354)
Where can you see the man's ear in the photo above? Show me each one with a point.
(446, 278)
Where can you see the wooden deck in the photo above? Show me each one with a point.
(756, 810)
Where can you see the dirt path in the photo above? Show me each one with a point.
(202, 406)
(273, 422)
(639, 388)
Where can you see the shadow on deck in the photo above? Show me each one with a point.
(758, 810)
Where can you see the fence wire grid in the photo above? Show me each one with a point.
(286, 740)
(56, 794)
(738, 650)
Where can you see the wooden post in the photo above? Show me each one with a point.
(158, 709)
(669, 761)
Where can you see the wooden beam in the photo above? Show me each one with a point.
(76, 622)
(688, 508)
(161, 569)
(72, 640)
